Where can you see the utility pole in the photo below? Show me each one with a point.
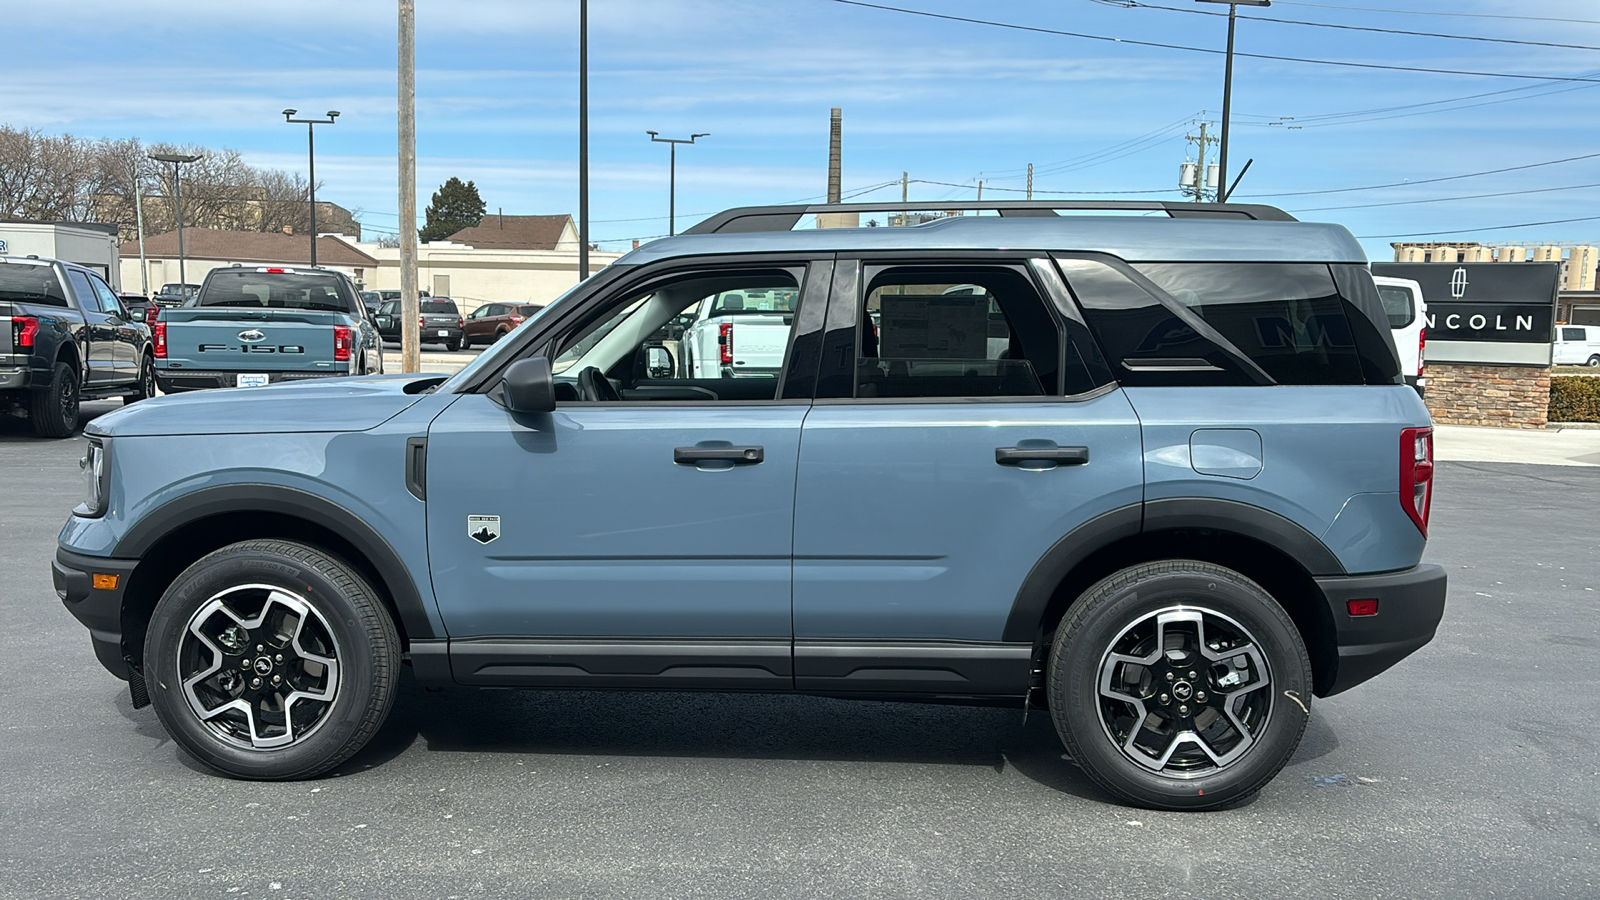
(410, 347)
(980, 188)
(905, 185)
(1030, 181)
(1194, 184)
(138, 218)
(583, 139)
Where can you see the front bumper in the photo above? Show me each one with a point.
(99, 609)
(172, 381)
(1410, 606)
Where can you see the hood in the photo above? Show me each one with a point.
(320, 405)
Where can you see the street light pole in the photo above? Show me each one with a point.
(1227, 92)
(583, 140)
(178, 159)
(672, 175)
(311, 152)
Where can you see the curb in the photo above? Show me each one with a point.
(1575, 426)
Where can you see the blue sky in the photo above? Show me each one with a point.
(946, 101)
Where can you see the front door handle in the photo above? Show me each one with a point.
(1063, 456)
(739, 456)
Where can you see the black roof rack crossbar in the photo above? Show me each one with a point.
(783, 218)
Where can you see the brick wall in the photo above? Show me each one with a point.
(1507, 396)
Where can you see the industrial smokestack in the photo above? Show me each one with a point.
(835, 130)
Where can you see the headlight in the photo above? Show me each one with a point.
(96, 477)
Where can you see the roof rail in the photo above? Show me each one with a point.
(784, 218)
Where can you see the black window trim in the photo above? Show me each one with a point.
(1184, 314)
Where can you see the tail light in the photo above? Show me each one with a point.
(341, 343)
(1422, 347)
(158, 339)
(23, 330)
(725, 342)
(460, 322)
(1416, 475)
(422, 322)
(516, 319)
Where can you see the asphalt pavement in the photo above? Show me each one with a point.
(1471, 769)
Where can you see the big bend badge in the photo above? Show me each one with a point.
(483, 529)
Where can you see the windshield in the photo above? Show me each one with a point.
(274, 290)
(24, 283)
(440, 306)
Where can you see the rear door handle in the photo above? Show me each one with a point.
(739, 456)
(1065, 456)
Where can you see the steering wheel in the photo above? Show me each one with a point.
(593, 385)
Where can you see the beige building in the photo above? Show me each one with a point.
(205, 249)
(518, 259)
(1579, 262)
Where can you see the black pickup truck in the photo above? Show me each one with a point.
(65, 337)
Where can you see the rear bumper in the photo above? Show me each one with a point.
(14, 378)
(1410, 606)
(99, 609)
(172, 381)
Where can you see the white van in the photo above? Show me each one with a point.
(1577, 345)
(1402, 300)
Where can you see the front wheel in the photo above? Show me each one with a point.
(1594, 360)
(271, 660)
(1179, 685)
(145, 387)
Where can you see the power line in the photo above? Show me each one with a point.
(1570, 187)
(1374, 237)
(1406, 106)
(991, 187)
(1134, 4)
(1373, 187)
(1208, 50)
(1421, 12)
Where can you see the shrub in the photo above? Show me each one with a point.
(1574, 398)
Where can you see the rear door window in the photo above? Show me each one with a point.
(1572, 334)
(23, 283)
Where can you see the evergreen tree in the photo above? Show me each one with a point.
(456, 205)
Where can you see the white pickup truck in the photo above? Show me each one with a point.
(739, 334)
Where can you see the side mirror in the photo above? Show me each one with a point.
(529, 387)
(658, 362)
(382, 321)
(136, 314)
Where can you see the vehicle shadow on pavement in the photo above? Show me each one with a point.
(737, 726)
(17, 429)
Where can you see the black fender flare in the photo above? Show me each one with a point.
(233, 498)
(1228, 516)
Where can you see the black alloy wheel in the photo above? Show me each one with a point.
(54, 409)
(271, 660)
(1179, 685)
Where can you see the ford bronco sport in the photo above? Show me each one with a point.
(1187, 492)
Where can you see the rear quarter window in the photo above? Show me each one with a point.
(1399, 304)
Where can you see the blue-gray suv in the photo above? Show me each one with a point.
(1152, 466)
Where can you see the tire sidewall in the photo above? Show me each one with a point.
(357, 663)
(1106, 617)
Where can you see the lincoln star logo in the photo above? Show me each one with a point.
(1458, 283)
(252, 336)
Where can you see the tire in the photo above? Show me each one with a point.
(145, 388)
(1594, 360)
(54, 408)
(1225, 723)
(500, 334)
(453, 346)
(466, 341)
(339, 664)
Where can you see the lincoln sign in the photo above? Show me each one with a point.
(1497, 314)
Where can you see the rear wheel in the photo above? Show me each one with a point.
(1179, 685)
(53, 408)
(501, 333)
(453, 345)
(271, 660)
(1594, 360)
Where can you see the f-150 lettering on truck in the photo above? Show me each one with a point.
(65, 337)
(250, 327)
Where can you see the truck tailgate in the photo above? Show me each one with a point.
(758, 341)
(5, 329)
(251, 340)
